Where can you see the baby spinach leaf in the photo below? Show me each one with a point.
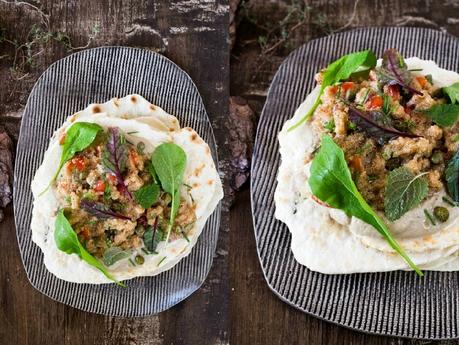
(444, 115)
(78, 137)
(452, 177)
(393, 71)
(169, 162)
(376, 125)
(339, 70)
(404, 191)
(453, 92)
(67, 241)
(115, 254)
(332, 183)
(147, 195)
(114, 157)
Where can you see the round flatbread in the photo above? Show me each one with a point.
(141, 121)
(327, 240)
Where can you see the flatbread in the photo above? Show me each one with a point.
(152, 125)
(327, 240)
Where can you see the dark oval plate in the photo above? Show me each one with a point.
(395, 303)
(67, 86)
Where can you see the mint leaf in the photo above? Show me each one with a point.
(444, 115)
(404, 191)
(115, 254)
(147, 195)
(332, 183)
(453, 92)
(339, 70)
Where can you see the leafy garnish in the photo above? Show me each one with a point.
(169, 162)
(339, 70)
(453, 92)
(147, 195)
(100, 210)
(452, 177)
(67, 241)
(115, 254)
(152, 237)
(332, 183)
(114, 158)
(330, 126)
(444, 115)
(376, 125)
(403, 192)
(78, 137)
(393, 71)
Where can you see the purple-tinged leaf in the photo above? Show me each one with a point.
(393, 71)
(115, 156)
(100, 210)
(376, 125)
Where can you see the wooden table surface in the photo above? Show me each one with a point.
(234, 305)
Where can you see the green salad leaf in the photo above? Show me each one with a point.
(403, 191)
(147, 195)
(452, 177)
(452, 92)
(115, 254)
(169, 162)
(444, 115)
(339, 70)
(67, 241)
(332, 183)
(78, 137)
(152, 237)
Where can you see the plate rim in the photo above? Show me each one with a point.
(252, 165)
(217, 211)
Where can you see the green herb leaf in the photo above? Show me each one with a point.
(452, 177)
(151, 238)
(169, 162)
(404, 191)
(147, 195)
(339, 70)
(444, 115)
(453, 92)
(115, 254)
(331, 182)
(78, 137)
(67, 241)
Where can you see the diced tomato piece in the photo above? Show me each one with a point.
(347, 85)
(375, 101)
(79, 163)
(333, 89)
(84, 232)
(394, 92)
(99, 186)
(356, 163)
(408, 109)
(70, 166)
(112, 178)
(133, 157)
(422, 81)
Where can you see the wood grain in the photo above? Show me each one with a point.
(194, 35)
(257, 315)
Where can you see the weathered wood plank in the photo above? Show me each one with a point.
(191, 33)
